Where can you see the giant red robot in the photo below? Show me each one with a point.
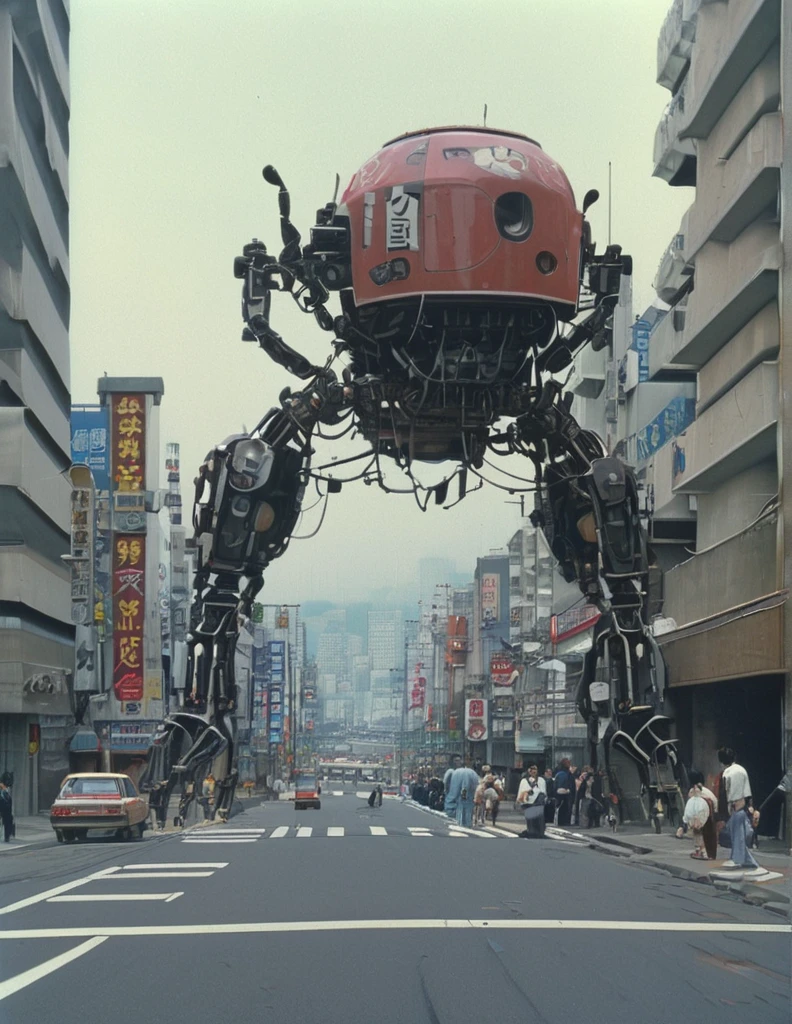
(467, 281)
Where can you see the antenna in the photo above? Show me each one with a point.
(485, 115)
(610, 197)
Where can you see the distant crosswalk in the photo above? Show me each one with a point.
(234, 836)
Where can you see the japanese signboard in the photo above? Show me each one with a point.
(276, 654)
(640, 342)
(128, 465)
(490, 595)
(129, 559)
(418, 688)
(90, 442)
(501, 670)
(82, 546)
(476, 721)
(676, 417)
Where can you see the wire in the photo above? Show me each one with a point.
(308, 536)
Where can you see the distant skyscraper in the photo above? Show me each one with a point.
(385, 640)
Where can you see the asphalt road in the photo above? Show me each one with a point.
(374, 915)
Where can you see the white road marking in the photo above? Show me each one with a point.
(378, 830)
(240, 831)
(304, 831)
(472, 831)
(162, 867)
(405, 924)
(20, 904)
(16, 846)
(501, 831)
(159, 874)
(335, 830)
(166, 897)
(419, 831)
(337, 792)
(20, 981)
(457, 835)
(280, 832)
(227, 841)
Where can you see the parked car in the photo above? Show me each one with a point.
(98, 802)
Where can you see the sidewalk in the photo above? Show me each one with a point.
(636, 843)
(30, 830)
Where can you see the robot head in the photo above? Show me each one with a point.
(251, 464)
(464, 212)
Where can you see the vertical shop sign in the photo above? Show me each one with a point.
(129, 559)
(129, 442)
(490, 593)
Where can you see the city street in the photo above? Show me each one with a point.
(380, 917)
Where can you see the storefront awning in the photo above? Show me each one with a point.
(85, 741)
(738, 643)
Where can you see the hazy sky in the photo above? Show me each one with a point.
(177, 105)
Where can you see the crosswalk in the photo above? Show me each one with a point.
(236, 836)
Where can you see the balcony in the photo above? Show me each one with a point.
(735, 192)
(731, 573)
(660, 476)
(756, 343)
(674, 156)
(731, 40)
(674, 271)
(588, 379)
(665, 342)
(733, 282)
(738, 431)
(675, 42)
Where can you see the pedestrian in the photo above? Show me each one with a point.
(372, 797)
(596, 805)
(564, 792)
(207, 796)
(531, 797)
(379, 796)
(6, 812)
(734, 802)
(461, 794)
(493, 794)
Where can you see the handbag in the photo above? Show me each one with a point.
(725, 837)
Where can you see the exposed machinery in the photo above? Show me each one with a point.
(467, 281)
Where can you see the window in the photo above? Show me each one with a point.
(90, 787)
(129, 786)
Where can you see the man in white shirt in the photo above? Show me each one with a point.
(737, 790)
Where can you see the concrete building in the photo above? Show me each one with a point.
(728, 65)
(36, 634)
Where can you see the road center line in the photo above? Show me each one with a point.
(304, 832)
(84, 897)
(104, 873)
(191, 866)
(378, 830)
(406, 924)
(335, 830)
(160, 874)
(280, 832)
(20, 981)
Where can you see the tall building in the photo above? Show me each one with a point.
(728, 67)
(385, 640)
(36, 634)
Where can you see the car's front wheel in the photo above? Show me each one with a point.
(59, 835)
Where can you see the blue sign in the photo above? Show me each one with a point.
(90, 442)
(276, 653)
(676, 417)
(640, 342)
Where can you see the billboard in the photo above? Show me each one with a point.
(128, 463)
(502, 672)
(129, 559)
(276, 655)
(640, 331)
(90, 442)
(476, 719)
(490, 597)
